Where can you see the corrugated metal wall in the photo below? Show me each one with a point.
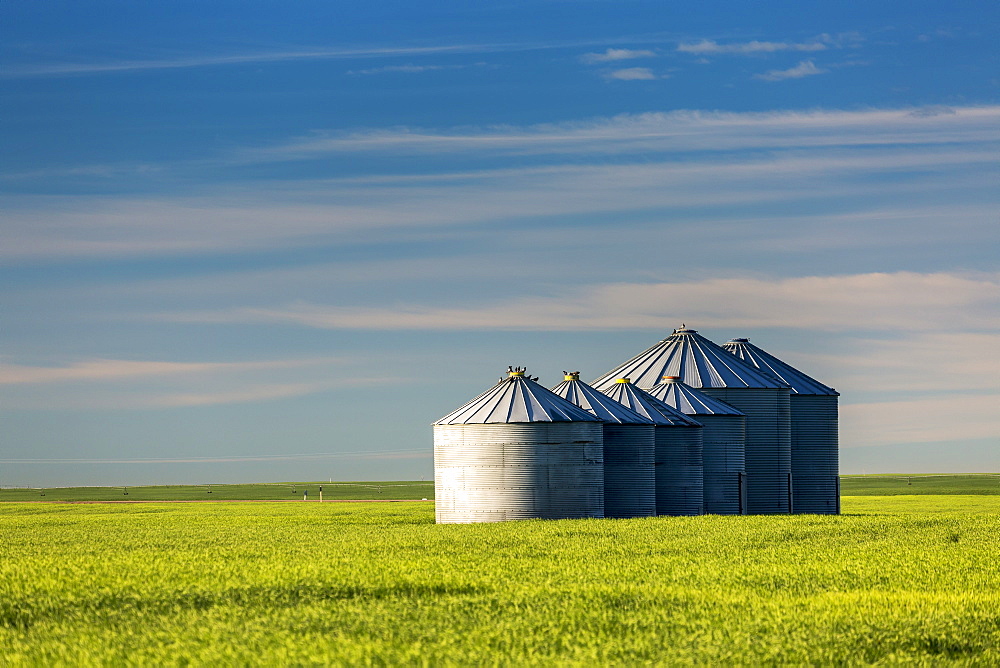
(629, 474)
(497, 472)
(768, 445)
(725, 463)
(679, 471)
(815, 454)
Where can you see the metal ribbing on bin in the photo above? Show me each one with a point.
(518, 451)
(678, 465)
(814, 431)
(629, 447)
(720, 374)
(723, 437)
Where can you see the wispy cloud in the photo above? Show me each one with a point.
(946, 359)
(403, 69)
(680, 130)
(92, 66)
(612, 55)
(262, 392)
(596, 167)
(109, 384)
(632, 74)
(944, 418)
(183, 62)
(111, 369)
(872, 302)
(707, 46)
(352, 212)
(805, 68)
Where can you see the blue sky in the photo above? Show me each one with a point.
(261, 241)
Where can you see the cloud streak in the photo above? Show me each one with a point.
(631, 74)
(805, 68)
(109, 384)
(112, 370)
(868, 302)
(711, 47)
(671, 131)
(183, 62)
(614, 55)
(941, 418)
(353, 211)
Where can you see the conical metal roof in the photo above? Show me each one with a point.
(640, 401)
(799, 382)
(690, 356)
(601, 405)
(517, 398)
(673, 392)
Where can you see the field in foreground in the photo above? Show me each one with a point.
(895, 579)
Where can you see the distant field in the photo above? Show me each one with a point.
(867, 485)
(412, 490)
(894, 580)
(896, 484)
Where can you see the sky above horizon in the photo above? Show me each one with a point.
(261, 242)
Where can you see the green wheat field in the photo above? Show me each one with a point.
(908, 577)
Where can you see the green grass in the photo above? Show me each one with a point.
(890, 485)
(249, 492)
(904, 579)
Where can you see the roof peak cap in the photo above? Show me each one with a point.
(518, 372)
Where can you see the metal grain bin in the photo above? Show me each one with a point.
(815, 440)
(629, 447)
(721, 375)
(723, 444)
(678, 464)
(518, 451)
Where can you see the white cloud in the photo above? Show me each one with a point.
(805, 68)
(109, 384)
(203, 60)
(111, 369)
(945, 359)
(679, 130)
(612, 55)
(707, 46)
(333, 212)
(261, 392)
(869, 302)
(631, 74)
(404, 69)
(683, 159)
(944, 418)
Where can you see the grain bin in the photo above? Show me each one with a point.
(629, 447)
(678, 466)
(518, 451)
(721, 375)
(723, 443)
(815, 441)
